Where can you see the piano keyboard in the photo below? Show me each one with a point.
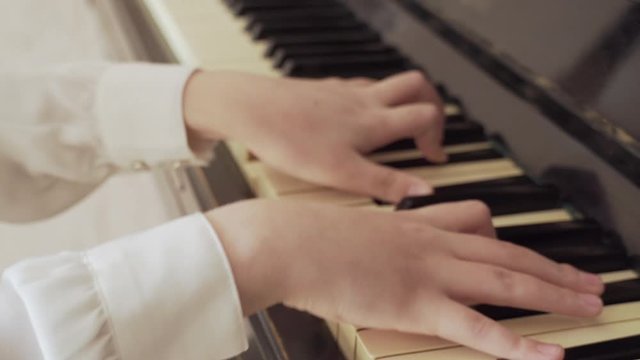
(319, 38)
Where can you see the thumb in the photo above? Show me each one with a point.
(366, 177)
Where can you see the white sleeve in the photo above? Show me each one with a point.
(65, 128)
(167, 293)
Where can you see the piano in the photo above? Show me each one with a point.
(542, 125)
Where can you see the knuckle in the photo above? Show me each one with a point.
(480, 327)
(385, 179)
(390, 184)
(569, 298)
(516, 347)
(412, 228)
(423, 113)
(381, 121)
(342, 173)
(478, 209)
(425, 238)
(568, 272)
(510, 251)
(506, 282)
(559, 300)
(338, 164)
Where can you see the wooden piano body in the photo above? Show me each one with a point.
(548, 134)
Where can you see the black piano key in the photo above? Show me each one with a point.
(468, 156)
(293, 14)
(293, 22)
(501, 200)
(582, 243)
(615, 293)
(338, 37)
(321, 66)
(622, 292)
(443, 92)
(455, 102)
(455, 133)
(294, 52)
(523, 234)
(251, 7)
(371, 73)
(297, 52)
(463, 132)
(584, 231)
(627, 348)
(375, 74)
(266, 30)
(590, 258)
(509, 181)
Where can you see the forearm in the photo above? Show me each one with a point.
(65, 128)
(166, 293)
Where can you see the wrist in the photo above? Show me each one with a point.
(259, 272)
(199, 116)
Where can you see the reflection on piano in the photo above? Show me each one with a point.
(589, 221)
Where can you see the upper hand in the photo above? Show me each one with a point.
(318, 130)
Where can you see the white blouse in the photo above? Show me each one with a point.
(70, 117)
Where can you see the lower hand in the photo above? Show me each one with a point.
(414, 271)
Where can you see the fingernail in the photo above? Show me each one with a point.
(550, 351)
(591, 301)
(419, 190)
(591, 280)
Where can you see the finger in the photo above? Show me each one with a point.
(488, 284)
(420, 121)
(360, 175)
(504, 254)
(403, 88)
(467, 327)
(410, 88)
(431, 143)
(469, 217)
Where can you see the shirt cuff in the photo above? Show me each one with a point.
(140, 115)
(167, 293)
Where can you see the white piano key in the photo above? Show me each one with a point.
(416, 154)
(525, 218)
(373, 344)
(452, 110)
(532, 218)
(569, 338)
(347, 339)
(445, 175)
